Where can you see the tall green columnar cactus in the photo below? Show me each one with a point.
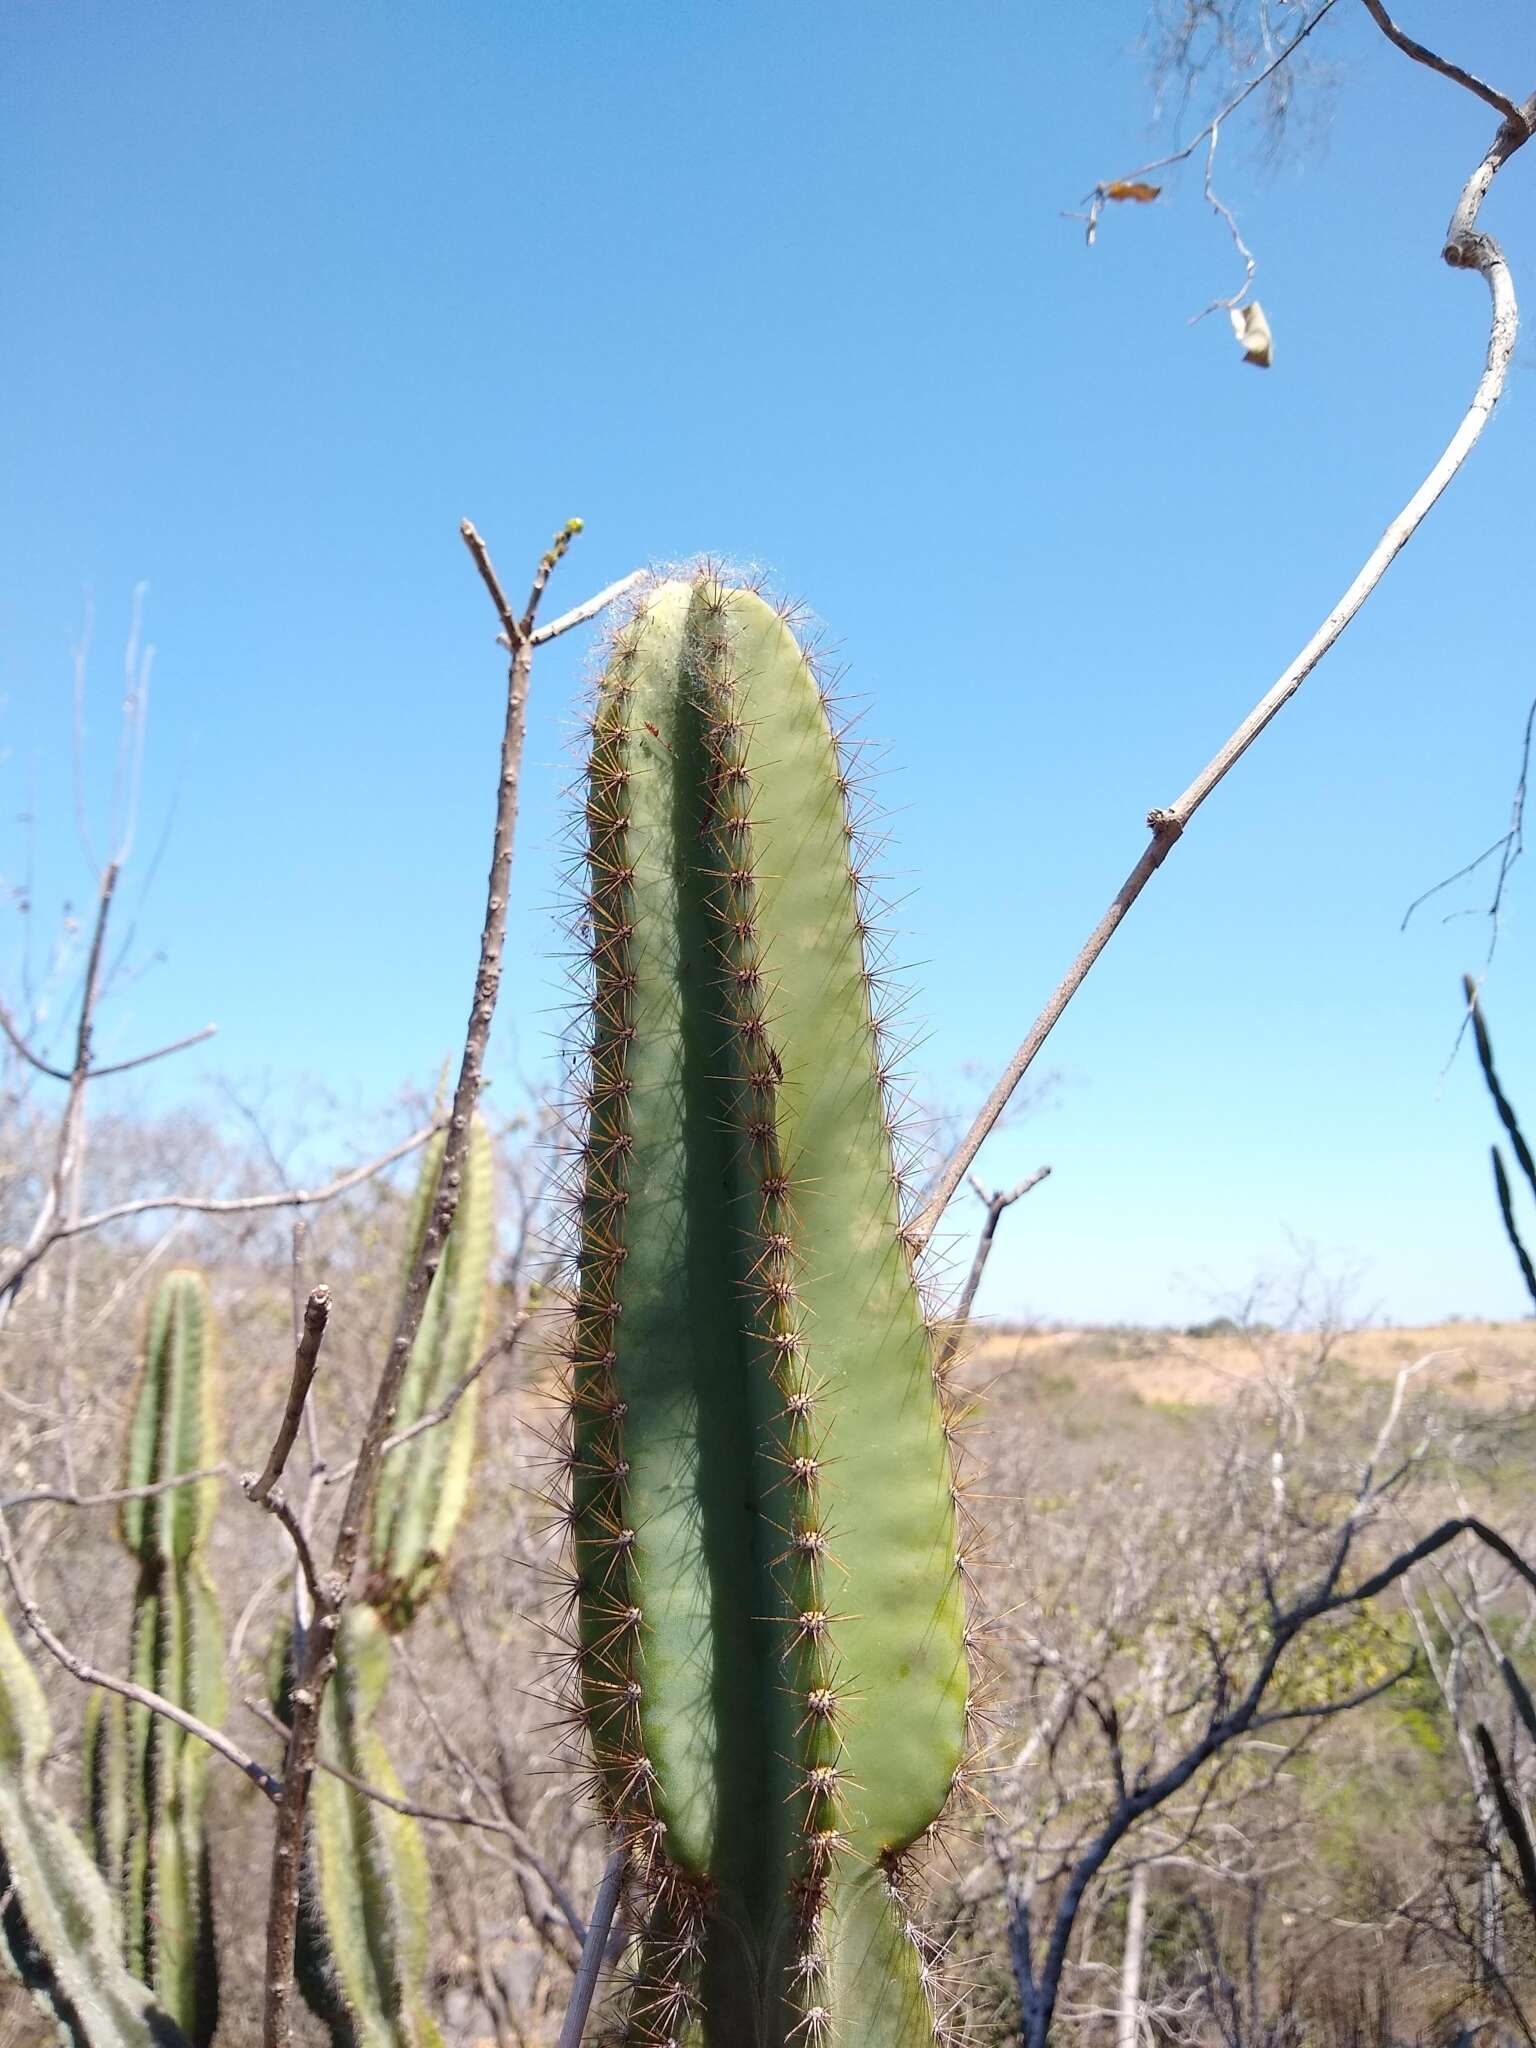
(363, 1937)
(58, 1931)
(770, 1613)
(146, 1777)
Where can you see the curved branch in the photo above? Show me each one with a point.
(1466, 248)
(1443, 65)
(210, 1205)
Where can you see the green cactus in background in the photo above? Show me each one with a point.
(58, 1931)
(424, 1486)
(363, 1909)
(363, 1935)
(146, 1777)
(771, 1644)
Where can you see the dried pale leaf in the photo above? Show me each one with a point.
(1131, 188)
(1253, 335)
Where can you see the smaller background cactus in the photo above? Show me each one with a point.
(146, 1777)
(58, 1928)
(363, 1930)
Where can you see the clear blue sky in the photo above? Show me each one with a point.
(292, 289)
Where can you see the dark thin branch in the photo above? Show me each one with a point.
(275, 1501)
(1329, 1709)
(1489, 94)
(1511, 1227)
(1519, 1692)
(1240, 1719)
(1501, 1101)
(1466, 247)
(1514, 1821)
(996, 1204)
(33, 1059)
(306, 1357)
(319, 1644)
(593, 1949)
(1509, 846)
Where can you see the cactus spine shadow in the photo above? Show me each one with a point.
(146, 1777)
(363, 1927)
(770, 1641)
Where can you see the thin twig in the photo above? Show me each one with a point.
(207, 1205)
(65, 1497)
(1501, 1102)
(996, 1204)
(579, 614)
(161, 1052)
(1219, 206)
(593, 1950)
(1509, 846)
(522, 1842)
(306, 1357)
(439, 1816)
(502, 1345)
(319, 1645)
(275, 1501)
(1511, 1227)
(140, 1695)
(19, 1044)
(1465, 248)
(1099, 197)
(1443, 65)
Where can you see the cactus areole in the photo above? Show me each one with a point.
(769, 1604)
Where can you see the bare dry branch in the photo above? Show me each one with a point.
(996, 1205)
(1443, 65)
(319, 1644)
(65, 1497)
(205, 1205)
(438, 1816)
(306, 1357)
(502, 1345)
(161, 1052)
(140, 1695)
(1465, 248)
(579, 614)
(1101, 194)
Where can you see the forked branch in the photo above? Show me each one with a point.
(332, 1592)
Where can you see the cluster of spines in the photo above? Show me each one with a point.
(146, 1777)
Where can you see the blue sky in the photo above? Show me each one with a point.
(291, 290)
